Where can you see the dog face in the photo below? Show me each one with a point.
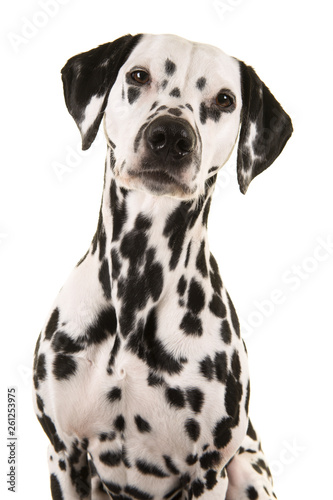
(172, 112)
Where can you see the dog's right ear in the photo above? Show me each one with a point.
(88, 78)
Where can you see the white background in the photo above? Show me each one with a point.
(273, 243)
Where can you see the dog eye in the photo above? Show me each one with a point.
(225, 100)
(140, 76)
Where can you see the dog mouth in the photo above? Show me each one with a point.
(161, 182)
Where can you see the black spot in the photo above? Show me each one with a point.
(175, 92)
(62, 342)
(257, 468)
(211, 480)
(201, 83)
(252, 493)
(118, 211)
(138, 494)
(217, 307)
(37, 346)
(81, 480)
(247, 399)
(142, 424)
(195, 398)
(206, 209)
(207, 368)
(41, 367)
(191, 324)
(221, 368)
(233, 395)
(213, 169)
(156, 356)
(62, 464)
(150, 469)
(116, 264)
(52, 324)
(196, 297)
(133, 247)
(175, 111)
(154, 380)
(163, 86)
(162, 108)
(210, 459)
(203, 113)
(75, 454)
(200, 262)
(189, 107)
(197, 488)
(51, 432)
(192, 428)
(152, 116)
(170, 67)
(113, 354)
(251, 432)
(104, 278)
(85, 443)
(104, 325)
(170, 465)
(175, 231)
(119, 423)
(102, 243)
(188, 253)
(139, 285)
(175, 397)
(225, 331)
(40, 403)
(111, 458)
(112, 165)
(64, 366)
(114, 394)
(143, 336)
(153, 273)
(181, 287)
(82, 259)
(112, 487)
(184, 479)
(212, 113)
(154, 105)
(215, 277)
(235, 365)
(222, 432)
(234, 319)
(107, 436)
(263, 466)
(56, 490)
(191, 459)
(133, 94)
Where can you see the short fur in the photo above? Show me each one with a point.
(140, 373)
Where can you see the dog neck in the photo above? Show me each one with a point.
(146, 244)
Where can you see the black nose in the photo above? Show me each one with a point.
(170, 138)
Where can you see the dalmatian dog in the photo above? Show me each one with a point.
(140, 373)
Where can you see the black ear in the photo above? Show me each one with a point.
(265, 128)
(88, 78)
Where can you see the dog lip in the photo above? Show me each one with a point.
(160, 176)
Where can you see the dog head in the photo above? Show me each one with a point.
(173, 110)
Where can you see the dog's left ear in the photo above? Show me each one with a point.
(88, 78)
(265, 128)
